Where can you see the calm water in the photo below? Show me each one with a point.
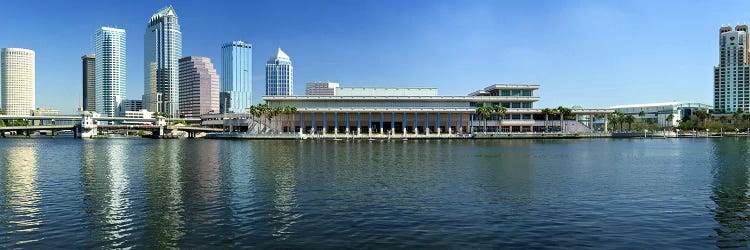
(65, 193)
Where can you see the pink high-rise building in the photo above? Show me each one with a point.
(199, 87)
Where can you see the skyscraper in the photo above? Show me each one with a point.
(110, 71)
(17, 68)
(236, 76)
(89, 82)
(162, 50)
(732, 75)
(199, 87)
(279, 74)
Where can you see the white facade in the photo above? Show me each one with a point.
(141, 114)
(17, 81)
(110, 71)
(279, 75)
(321, 88)
(659, 113)
(732, 75)
(386, 91)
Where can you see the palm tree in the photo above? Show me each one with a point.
(547, 113)
(629, 119)
(276, 111)
(485, 113)
(500, 110)
(293, 110)
(563, 111)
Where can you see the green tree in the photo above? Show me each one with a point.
(563, 111)
(629, 119)
(547, 113)
(484, 113)
(500, 111)
(179, 121)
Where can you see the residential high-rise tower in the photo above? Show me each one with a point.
(279, 74)
(89, 82)
(236, 76)
(110, 76)
(17, 84)
(162, 52)
(199, 87)
(732, 75)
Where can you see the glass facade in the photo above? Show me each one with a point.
(162, 52)
(237, 76)
(279, 75)
(110, 71)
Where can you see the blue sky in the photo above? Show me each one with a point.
(585, 53)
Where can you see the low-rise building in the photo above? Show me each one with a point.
(422, 111)
(665, 114)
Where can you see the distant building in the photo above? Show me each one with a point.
(89, 82)
(17, 81)
(732, 75)
(110, 71)
(162, 50)
(321, 88)
(141, 114)
(45, 112)
(236, 76)
(132, 105)
(386, 91)
(659, 113)
(199, 87)
(279, 75)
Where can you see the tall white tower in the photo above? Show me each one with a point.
(279, 74)
(17, 84)
(110, 71)
(732, 75)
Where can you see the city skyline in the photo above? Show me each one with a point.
(484, 48)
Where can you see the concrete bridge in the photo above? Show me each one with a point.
(88, 125)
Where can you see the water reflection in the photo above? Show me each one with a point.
(164, 201)
(279, 168)
(106, 192)
(729, 193)
(21, 213)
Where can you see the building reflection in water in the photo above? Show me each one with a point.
(729, 193)
(106, 190)
(278, 164)
(20, 197)
(164, 205)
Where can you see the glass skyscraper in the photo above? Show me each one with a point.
(110, 71)
(279, 74)
(236, 76)
(162, 52)
(89, 84)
